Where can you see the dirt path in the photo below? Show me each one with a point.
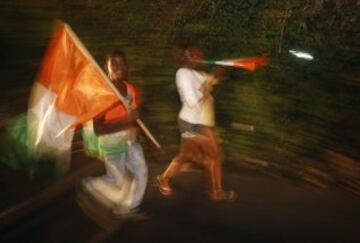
(268, 209)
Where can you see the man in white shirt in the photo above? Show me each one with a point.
(199, 143)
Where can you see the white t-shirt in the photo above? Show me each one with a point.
(189, 83)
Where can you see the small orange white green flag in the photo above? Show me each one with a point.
(250, 63)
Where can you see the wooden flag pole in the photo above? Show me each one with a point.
(148, 133)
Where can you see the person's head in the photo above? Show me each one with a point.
(116, 65)
(188, 55)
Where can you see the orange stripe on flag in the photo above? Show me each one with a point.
(251, 64)
(80, 87)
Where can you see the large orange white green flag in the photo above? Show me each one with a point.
(70, 89)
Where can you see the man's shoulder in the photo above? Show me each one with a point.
(133, 87)
(129, 84)
(183, 71)
(183, 74)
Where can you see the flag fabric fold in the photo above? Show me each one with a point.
(70, 89)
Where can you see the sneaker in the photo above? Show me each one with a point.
(164, 190)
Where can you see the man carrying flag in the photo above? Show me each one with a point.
(72, 89)
(125, 181)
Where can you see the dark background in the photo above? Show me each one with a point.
(305, 113)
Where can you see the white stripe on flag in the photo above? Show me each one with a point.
(46, 122)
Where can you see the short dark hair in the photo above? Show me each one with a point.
(179, 51)
(115, 53)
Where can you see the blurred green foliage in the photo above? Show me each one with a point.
(298, 108)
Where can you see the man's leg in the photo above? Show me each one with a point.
(136, 165)
(213, 167)
(111, 187)
(183, 161)
(171, 171)
(217, 158)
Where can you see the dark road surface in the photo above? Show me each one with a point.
(269, 209)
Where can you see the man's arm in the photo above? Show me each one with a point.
(101, 126)
(217, 74)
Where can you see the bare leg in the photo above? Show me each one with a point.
(172, 170)
(213, 167)
(209, 170)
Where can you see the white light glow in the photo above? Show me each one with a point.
(301, 54)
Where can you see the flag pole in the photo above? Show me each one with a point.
(88, 55)
(148, 133)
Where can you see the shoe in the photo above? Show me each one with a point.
(164, 190)
(131, 214)
(228, 196)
